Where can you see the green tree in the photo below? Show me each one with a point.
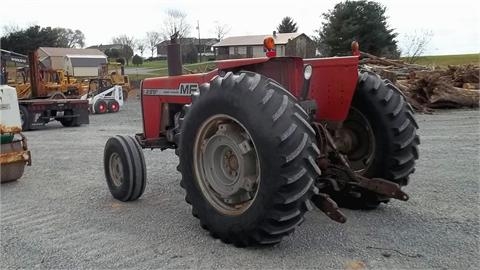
(363, 21)
(69, 38)
(29, 39)
(137, 60)
(287, 26)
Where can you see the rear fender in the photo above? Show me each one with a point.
(288, 71)
(332, 86)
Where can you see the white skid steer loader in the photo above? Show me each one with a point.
(104, 97)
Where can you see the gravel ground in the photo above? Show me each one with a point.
(61, 215)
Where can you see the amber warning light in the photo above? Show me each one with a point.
(269, 46)
(355, 48)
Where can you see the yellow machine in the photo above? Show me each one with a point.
(59, 81)
(114, 71)
(56, 82)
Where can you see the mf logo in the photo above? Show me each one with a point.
(187, 88)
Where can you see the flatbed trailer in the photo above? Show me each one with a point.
(41, 108)
(35, 113)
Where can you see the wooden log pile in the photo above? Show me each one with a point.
(429, 88)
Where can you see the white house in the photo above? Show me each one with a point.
(287, 44)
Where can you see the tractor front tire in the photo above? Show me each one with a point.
(385, 135)
(247, 158)
(124, 166)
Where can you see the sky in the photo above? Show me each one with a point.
(454, 25)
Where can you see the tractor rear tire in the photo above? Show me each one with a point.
(100, 106)
(394, 145)
(277, 150)
(124, 166)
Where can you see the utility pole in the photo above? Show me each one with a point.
(199, 42)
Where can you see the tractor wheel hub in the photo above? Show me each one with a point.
(226, 164)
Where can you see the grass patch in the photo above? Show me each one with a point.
(154, 64)
(200, 67)
(445, 60)
(163, 71)
(162, 64)
(140, 77)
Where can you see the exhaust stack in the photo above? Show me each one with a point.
(174, 57)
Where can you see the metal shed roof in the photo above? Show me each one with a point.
(86, 60)
(52, 51)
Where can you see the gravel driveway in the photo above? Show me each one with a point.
(60, 214)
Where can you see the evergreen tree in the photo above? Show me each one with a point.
(363, 21)
(287, 26)
(29, 39)
(137, 60)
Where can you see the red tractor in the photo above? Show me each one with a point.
(261, 140)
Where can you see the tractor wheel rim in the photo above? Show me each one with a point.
(226, 164)
(358, 131)
(116, 169)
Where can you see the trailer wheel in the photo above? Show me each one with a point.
(124, 166)
(100, 106)
(383, 138)
(247, 159)
(69, 122)
(24, 118)
(113, 106)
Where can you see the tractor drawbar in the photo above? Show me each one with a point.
(338, 176)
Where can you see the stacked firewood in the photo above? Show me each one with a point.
(428, 88)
